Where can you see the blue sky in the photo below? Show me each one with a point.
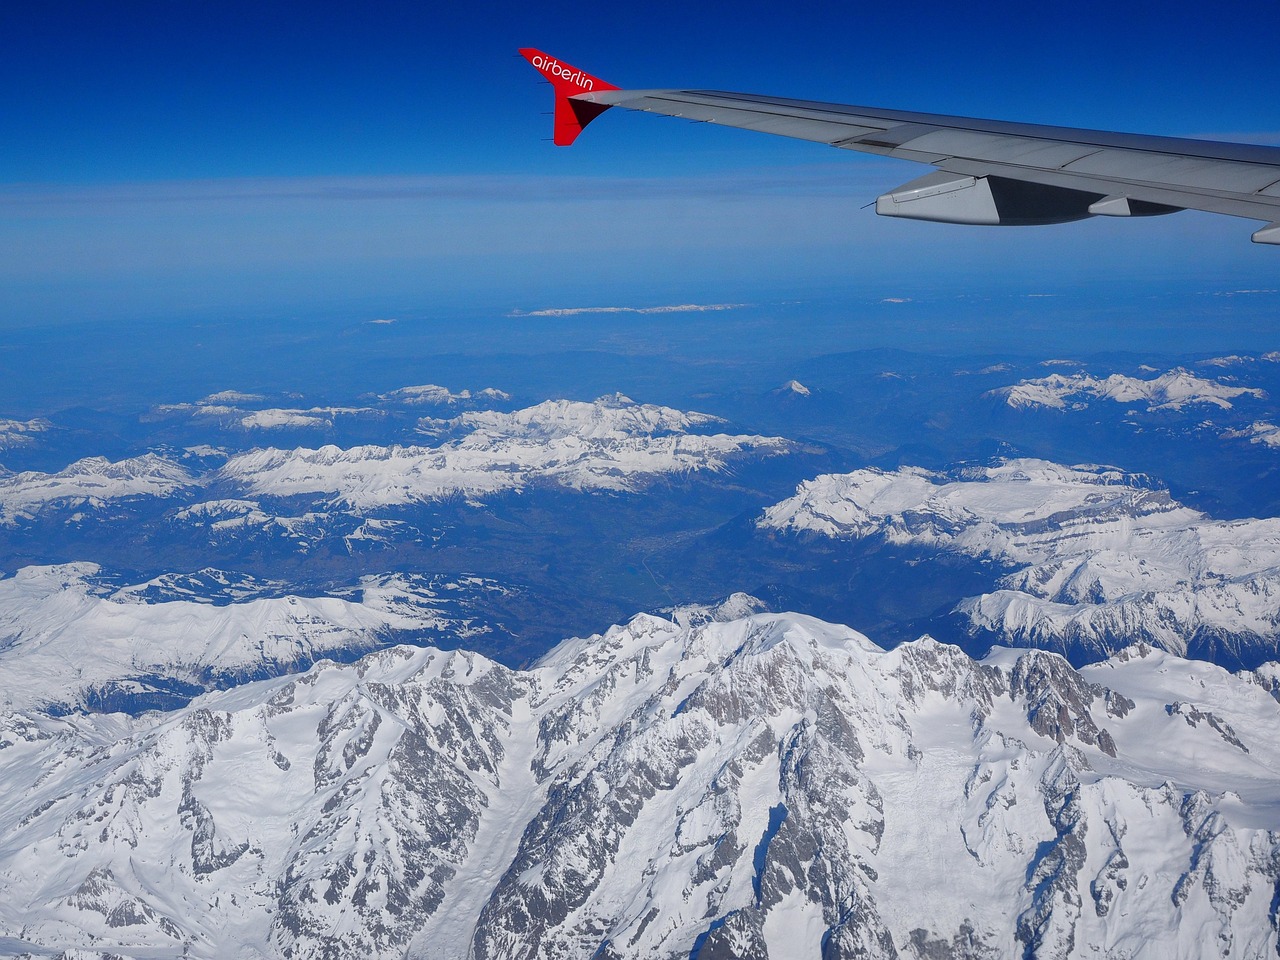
(192, 157)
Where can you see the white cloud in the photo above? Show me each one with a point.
(672, 308)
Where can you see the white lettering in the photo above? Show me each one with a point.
(556, 69)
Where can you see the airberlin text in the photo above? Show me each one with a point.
(567, 74)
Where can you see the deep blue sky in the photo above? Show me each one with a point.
(141, 90)
(187, 157)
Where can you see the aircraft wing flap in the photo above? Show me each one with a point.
(1194, 172)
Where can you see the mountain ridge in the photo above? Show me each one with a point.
(680, 786)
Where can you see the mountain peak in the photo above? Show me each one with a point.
(771, 768)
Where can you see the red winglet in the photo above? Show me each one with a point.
(571, 115)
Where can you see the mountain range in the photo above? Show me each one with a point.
(719, 782)
(283, 670)
(1087, 559)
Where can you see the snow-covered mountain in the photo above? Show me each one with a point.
(792, 390)
(264, 418)
(432, 394)
(1172, 390)
(233, 519)
(1095, 558)
(275, 418)
(741, 786)
(613, 444)
(240, 411)
(69, 639)
(1260, 431)
(90, 483)
(20, 433)
(617, 417)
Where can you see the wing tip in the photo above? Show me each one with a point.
(571, 116)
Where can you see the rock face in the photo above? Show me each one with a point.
(1093, 558)
(721, 784)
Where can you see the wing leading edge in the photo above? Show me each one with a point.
(987, 171)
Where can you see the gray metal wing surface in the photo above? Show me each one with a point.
(999, 172)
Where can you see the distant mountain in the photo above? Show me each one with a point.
(792, 390)
(1260, 431)
(1092, 558)
(72, 640)
(1174, 390)
(611, 444)
(712, 785)
(89, 483)
(238, 520)
(561, 502)
(432, 394)
(18, 433)
(233, 410)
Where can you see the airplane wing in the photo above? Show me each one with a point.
(987, 171)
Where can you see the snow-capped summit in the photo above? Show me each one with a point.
(793, 388)
(1095, 558)
(72, 640)
(615, 417)
(432, 394)
(1260, 431)
(233, 396)
(611, 444)
(769, 785)
(90, 481)
(1173, 390)
(21, 433)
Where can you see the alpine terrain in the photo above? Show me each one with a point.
(717, 783)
